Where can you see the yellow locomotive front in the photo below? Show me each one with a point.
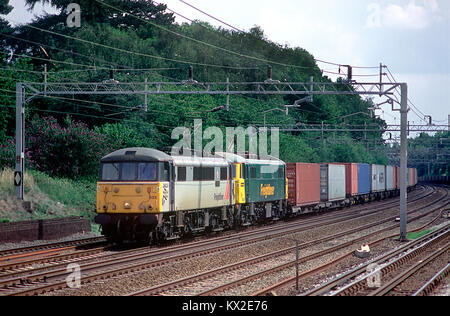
(132, 192)
(133, 198)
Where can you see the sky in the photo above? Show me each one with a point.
(411, 37)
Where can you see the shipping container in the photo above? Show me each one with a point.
(332, 182)
(351, 179)
(396, 183)
(398, 177)
(378, 176)
(412, 177)
(390, 184)
(363, 179)
(408, 177)
(303, 184)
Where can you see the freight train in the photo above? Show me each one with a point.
(147, 195)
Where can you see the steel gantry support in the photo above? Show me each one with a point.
(19, 174)
(192, 87)
(403, 161)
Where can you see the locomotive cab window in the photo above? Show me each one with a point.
(253, 174)
(110, 172)
(280, 174)
(147, 172)
(128, 171)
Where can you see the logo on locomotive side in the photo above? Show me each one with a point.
(165, 193)
(267, 190)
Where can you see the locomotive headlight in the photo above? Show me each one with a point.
(113, 207)
(127, 205)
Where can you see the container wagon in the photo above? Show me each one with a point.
(303, 187)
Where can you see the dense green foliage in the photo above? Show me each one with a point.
(153, 47)
(430, 154)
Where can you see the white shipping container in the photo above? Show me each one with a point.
(378, 183)
(336, 182)
(390, 178)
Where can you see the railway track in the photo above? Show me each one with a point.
(131, 261)
(244, 271)
(385, 275)
(52, 256)
(21, 258)
(286, 285)
(48, 248)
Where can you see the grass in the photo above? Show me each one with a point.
(50, 197)
(416, 235)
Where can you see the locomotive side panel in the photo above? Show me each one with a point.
(202, 187)
(265, 182)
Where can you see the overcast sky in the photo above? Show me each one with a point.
(412, 37)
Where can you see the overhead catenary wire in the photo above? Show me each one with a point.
(413, 108)
(265, 61)
(118, 67)
(171, 59)
(212, 17)
(125, 51)
(239, 30)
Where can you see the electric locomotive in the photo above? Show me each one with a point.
(145, 194)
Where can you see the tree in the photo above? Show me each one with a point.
(5, 28)
(94, 12)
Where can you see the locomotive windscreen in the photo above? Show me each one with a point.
(129, 171)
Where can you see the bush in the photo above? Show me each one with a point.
(72, 152)
(7, 153)
(131, 134)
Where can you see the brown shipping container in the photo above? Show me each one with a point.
(351, 179)
(398, 177)
(303, 183)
